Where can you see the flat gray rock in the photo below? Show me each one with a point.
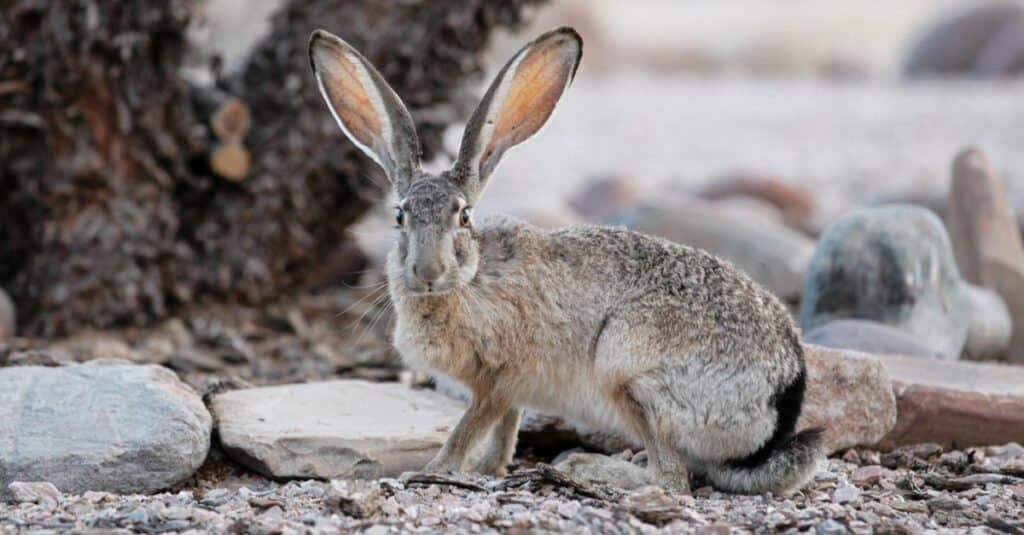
(868, 337)
(100, 426)
(334, 429)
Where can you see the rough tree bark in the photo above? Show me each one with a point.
(95, 131)
(105, 218)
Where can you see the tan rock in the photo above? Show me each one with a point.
(334, 429)
(91, 345)
(603, 196)
(796, 204)
(8, 317)
(848, 394)
(955, 404)
(865, 476)
(985, 237)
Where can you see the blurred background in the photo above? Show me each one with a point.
(852, 103)
(162, 158)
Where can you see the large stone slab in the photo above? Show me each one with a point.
(103, 426)
(956, 404)
(849, 394)
(334, 429)
(985, 237)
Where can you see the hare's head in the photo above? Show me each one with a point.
(436, 249)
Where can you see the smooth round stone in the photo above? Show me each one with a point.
(893, 265)
(991, 327)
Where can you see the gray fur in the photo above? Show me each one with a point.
(606, 326)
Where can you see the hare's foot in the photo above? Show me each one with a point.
(665, 463)
(443, 464)
(491, 465)
(607, 470)
(501, 447)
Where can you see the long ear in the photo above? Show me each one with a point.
(365, 106)
(518, 103)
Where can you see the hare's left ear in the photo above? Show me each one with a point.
(517, 104)
(365, 107)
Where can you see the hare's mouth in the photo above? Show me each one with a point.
(437, 289)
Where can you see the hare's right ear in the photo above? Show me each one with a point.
(518, 103)
(365, 106)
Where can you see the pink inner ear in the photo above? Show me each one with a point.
(349, 98)
(538, 82)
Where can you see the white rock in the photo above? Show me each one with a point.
(845, 494)
(41, 492)
(334, 429)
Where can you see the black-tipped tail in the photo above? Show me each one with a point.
(786, 468)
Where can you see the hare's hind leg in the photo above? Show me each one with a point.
(501, 447)
(664, 460)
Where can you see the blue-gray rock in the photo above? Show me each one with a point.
(894, 265)
(868, 337)
(984, 40)
(104, 425)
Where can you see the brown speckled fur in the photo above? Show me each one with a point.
(601, 325)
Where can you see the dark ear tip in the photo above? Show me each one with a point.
(566, 32)
(317, 35)
(569, 33)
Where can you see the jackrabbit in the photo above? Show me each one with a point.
(606, 326)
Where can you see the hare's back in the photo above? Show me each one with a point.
(671, 284)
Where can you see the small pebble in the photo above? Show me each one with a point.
(830, 527)
(845, 494)
(866, 476)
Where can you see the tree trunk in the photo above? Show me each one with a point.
(105, 218)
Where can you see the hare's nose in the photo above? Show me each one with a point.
(428, 272)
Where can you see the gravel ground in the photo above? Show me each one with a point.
(913, 490)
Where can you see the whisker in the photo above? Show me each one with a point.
(361, 301)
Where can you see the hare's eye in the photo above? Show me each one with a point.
(464, 217)
(399, 216)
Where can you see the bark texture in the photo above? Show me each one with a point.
(108, 214)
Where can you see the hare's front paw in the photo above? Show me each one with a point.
(442, 466)
(491, 465)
